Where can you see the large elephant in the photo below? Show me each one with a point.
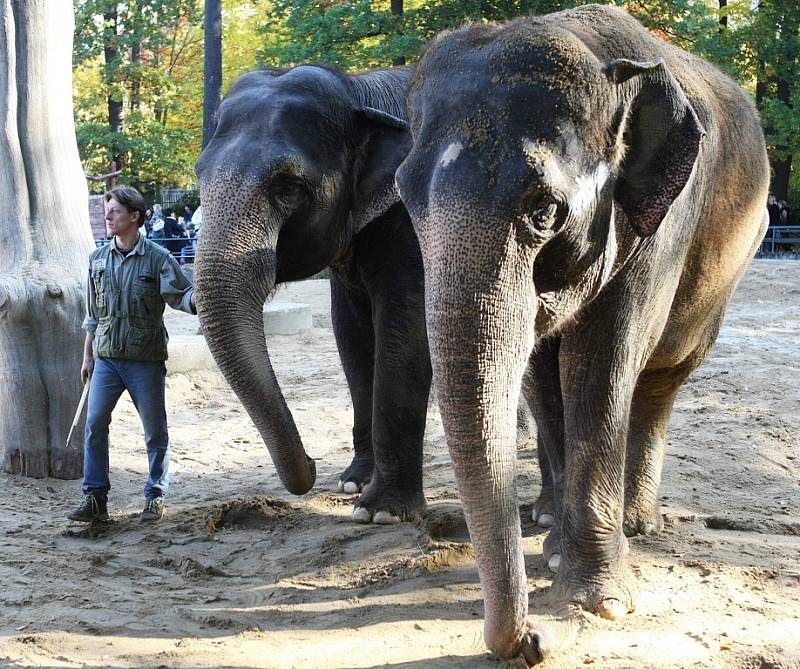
(299, 176)
(580, 187)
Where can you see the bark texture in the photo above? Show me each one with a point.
(44, 237)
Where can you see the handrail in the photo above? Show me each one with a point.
(779, 235)
(184, 255)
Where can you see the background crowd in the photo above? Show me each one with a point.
(176, 232)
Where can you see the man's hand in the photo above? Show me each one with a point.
(87, 368)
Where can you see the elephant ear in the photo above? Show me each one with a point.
(386, 141)
(662, 136)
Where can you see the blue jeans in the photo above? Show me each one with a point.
(145, 384)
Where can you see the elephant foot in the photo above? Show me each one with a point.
(384, 505)
(609, 595)
(544, 508)
(543, 640)
(537, 644)
(355, 478)
(642, 519)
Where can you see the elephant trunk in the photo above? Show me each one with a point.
(233, 278)
(480, 322)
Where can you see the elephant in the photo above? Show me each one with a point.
(585, 197)
(299, 176)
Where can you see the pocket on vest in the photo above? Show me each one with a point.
(140, 339)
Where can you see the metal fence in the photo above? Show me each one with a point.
(183, 249)
(780, 241)
(176, 198)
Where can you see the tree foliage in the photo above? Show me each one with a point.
(152, 75)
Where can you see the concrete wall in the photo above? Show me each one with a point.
(97, 216)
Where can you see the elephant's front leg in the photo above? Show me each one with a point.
(402, 381)
(352, 327)
(597, 386)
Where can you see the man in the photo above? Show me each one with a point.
(130, 280)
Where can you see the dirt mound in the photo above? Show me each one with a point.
(250, 514)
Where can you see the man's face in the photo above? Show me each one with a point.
(118, 219)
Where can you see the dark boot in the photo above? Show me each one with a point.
(153, 510)
(90, 510)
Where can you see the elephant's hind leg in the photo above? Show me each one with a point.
(651, 407)
(647, 434)
(542, 389)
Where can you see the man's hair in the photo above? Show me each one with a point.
(130, 198)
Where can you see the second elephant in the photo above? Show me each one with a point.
(299, 176)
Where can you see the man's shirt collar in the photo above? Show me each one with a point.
(137, 248)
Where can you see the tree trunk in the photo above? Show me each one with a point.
(212, 67)
(111, 55)
(45, 239)
(723, 16)
(782, 167)
(397, 10)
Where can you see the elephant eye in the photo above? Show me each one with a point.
(539, 210)
(545, 217)
(287, 191)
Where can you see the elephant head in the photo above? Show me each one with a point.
(300, 161)
(529, 144)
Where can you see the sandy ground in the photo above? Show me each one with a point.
(290, 582)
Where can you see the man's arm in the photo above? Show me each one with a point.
(176, 290)
(90, 325)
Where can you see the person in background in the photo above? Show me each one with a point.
(157, 223)
(172, 234)
(774, 210)
(130, 279)
(147, 226)
(187, 252)
(197, 220)
(785, 211)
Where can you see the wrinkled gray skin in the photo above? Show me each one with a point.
(299, 176)
(578, 186)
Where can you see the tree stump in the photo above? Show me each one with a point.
(44, 242)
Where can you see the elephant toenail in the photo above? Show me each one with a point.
(385, 518)
(546, 520)
(611, 609)
(351, 487)
(554, 562)
(361, 515)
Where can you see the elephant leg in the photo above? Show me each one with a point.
(597, 387)
(544, 508)
(543, 391)
(401, 387)
(352, 327)
(526, 430)
(647, 436)
(650, 410)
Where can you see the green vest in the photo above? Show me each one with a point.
(128, 304)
